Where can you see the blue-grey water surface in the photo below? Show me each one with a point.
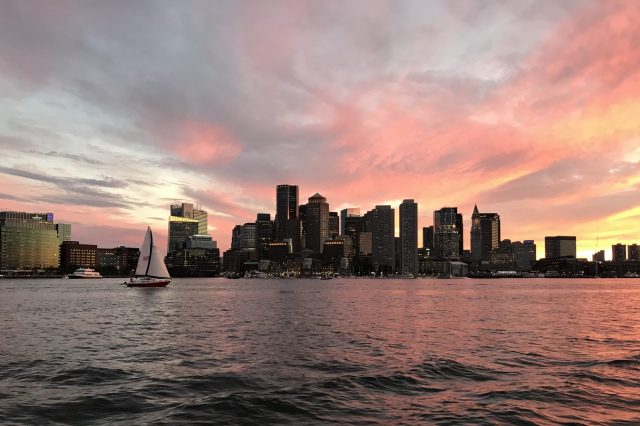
(308, 351)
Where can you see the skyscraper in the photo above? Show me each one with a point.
(186, 210)
(317, 222)
(598, 256)
(28, 241)
(485, 235)
(286, 209)
(446, 233)
(202, 217)
(382, 239)
(334, 225)
(344, 214)
(64, 232)
(265, 233)
(409, 237)
(427, 237)
(182, 210)
(180, 229)
(353, 227)
(559, 246)
(618, 252)
(633, 252)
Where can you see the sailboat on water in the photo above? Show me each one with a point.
(151, 270)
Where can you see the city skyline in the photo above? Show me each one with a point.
(527, 109)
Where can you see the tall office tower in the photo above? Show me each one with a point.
(334, 224)
(382, 239)
(265, 233)
(202, 217)
(180, 229)
(63, 231)
(409, 237)
(344, 214)
(598, 256)
(446, 233)
(353, 227)
(427, 237)
(28, 241)
(618, 252)
(248, 236)
(633, 252)
(485, 235)
(559, 246)
(317, 222)
(531, 248)
(286, 209)
(460, 226)
(182, 210)
(236, 237)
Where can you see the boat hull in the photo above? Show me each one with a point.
(75, 277)
(154, 283)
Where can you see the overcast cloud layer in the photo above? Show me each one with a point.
(112, 110)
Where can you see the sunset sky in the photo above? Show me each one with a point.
(112, 110)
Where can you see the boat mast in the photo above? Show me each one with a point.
(150, 251)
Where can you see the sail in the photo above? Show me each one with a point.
(157, 268)
(145, 254)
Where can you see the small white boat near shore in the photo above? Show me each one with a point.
(85, 273)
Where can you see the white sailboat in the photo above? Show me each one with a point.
(151, 270)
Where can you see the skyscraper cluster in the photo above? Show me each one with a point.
(310, 238)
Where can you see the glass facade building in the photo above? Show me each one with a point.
(28, 241)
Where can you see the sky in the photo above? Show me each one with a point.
(112, 110)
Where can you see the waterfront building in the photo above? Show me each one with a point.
(427, 237)
(559, 246)
(513, 255)
(74, 255)
(195, 261)
(316, 223)
(28, 241)
(334, 224)
(286, 210)
(344, 214)
(332, 254)
(233, 261)
(117, 261)
(633, 253)
(409, 237)
(383, 239)
(598, 256)
(485, 235)
(447, 233)
(618, 252)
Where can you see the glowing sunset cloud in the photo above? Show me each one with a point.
(530, 109)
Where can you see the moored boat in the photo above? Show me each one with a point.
(151, 270)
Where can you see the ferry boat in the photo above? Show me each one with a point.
(85, 273)
(151, 270)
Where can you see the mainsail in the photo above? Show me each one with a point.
(151, 263)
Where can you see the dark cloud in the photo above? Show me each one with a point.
(84, 159)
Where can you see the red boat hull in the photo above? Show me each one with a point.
(149, 284)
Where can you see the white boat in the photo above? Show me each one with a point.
(85, 273)
(151, 270)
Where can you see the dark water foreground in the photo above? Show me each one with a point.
(294, 351)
